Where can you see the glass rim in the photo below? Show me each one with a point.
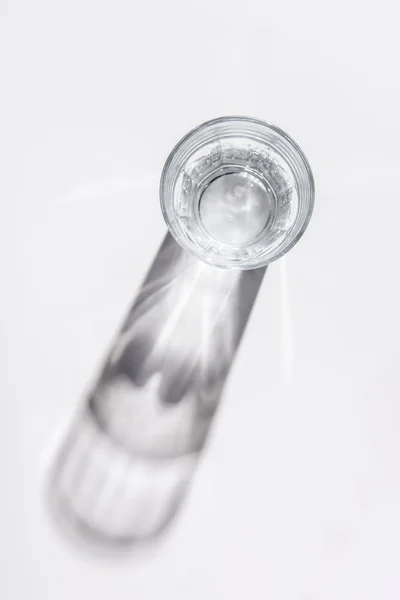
(257, 122)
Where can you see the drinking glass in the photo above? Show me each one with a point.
(237, 192)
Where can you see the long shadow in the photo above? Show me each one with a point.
(129, 457)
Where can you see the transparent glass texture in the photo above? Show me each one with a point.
(237, 192)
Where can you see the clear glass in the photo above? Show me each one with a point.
(237, 192)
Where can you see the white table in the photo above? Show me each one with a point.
(297, 496)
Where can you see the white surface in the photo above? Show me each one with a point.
(298, 494)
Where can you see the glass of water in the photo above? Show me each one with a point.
(237, 192)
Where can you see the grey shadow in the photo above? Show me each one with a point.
(130, 455)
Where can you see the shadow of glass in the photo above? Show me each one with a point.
(130, 455)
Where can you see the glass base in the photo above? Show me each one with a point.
(235, 208)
